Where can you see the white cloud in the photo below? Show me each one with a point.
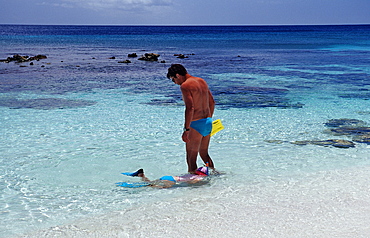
(123, 5)
(113, 11)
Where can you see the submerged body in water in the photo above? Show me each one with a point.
(167, 181)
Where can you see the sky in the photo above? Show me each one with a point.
(184, 12)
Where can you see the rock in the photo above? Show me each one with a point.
(365, 138)
(124, 62)
(39, 57)
(181, 56)
(332, 142)
(344, 122)
(349, 127)
(133, 55)
(348, 131)
(341, 143)
(364, 112)
(275, 141)
(163, 102)
(112, 57)
(149, 57)
(163, 61)
(304, 142)
(20, 59)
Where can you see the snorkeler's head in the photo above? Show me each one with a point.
(202, 171)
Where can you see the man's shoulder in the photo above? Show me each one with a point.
(194, 81)
(197, 78)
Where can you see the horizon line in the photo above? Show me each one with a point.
(321, 24)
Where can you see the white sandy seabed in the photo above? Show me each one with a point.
(325, 204)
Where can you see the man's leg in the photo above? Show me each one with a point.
(192, 150)
(203, 151)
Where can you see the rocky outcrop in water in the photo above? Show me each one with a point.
(354, 128)
(149, 57)
(133, 55)
(344, 122)
(124, 62)
(20, 59)
(332, 142)
(181, 56)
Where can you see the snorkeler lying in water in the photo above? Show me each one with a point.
(166, 181)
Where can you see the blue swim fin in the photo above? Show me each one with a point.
(133, 185)
(134, 174)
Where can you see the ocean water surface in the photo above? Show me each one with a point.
(294, 153)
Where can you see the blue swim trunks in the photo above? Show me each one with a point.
(203, 126)
(169, 178)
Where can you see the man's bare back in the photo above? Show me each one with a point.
(196, 94)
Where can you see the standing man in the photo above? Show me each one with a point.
(199, 108)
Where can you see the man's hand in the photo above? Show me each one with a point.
(185, 136)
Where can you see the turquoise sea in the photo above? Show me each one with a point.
(294, 153)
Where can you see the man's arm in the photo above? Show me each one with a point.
(189, 111)
(211, 103)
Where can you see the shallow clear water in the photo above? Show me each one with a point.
(69, 129)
